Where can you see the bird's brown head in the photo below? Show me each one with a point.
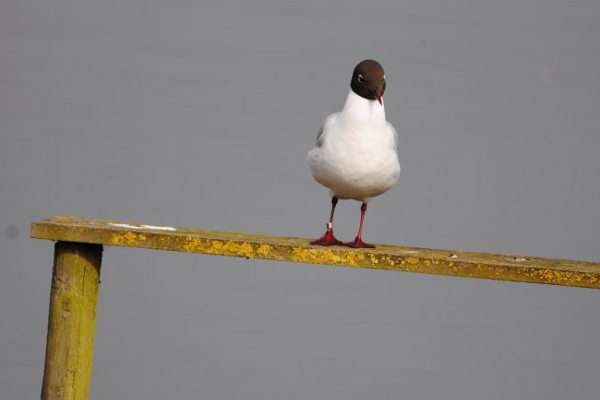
(368, 80)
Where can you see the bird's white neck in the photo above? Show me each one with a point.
(363, 110)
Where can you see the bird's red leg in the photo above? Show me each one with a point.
(328, 239)
(358, 243)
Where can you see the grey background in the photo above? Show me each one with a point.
(201, 114)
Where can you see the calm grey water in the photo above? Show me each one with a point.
(201, 114)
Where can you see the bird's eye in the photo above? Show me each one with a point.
(361, 79)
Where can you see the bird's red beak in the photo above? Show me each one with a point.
(378, 95)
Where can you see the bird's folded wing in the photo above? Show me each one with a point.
(330, 120)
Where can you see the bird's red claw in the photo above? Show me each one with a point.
(358, 244)
(328, 239)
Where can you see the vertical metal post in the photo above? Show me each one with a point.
(72, 321)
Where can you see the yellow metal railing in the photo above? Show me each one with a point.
(78, 254)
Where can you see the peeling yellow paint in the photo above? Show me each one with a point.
(264, 250)
(128, 239)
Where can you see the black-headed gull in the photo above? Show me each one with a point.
(356, 155)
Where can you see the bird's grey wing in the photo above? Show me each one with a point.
(325, 127)
(320, 137)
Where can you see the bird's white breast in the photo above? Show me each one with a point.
(357, 157)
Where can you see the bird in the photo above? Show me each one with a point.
(356, 155)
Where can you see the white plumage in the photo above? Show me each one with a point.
(356, 155)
